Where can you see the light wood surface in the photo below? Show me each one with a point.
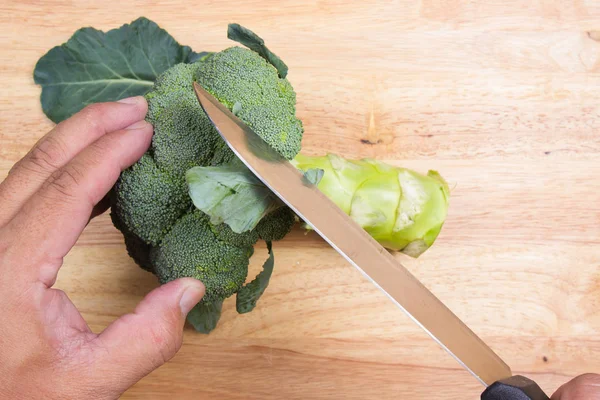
(501, 97)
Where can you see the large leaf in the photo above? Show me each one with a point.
(232, 194)
(248, 295)
(94, 66)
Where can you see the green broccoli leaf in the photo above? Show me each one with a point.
(249, 294)
(204, 317)
(232, 194)
(94, 66)
(254, 42)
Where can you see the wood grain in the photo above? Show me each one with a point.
(501, 97)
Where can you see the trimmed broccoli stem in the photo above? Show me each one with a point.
(401, 209)
(205, 316)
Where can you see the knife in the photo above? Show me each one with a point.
(368, 256)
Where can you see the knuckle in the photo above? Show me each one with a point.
(65, 181)
(47, 155)
(50, 152)
(98, 150)
(16, 166)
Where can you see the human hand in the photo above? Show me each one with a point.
(583, 387)
(46, 348)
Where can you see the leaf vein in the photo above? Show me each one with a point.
(89, 101)
(145, 55)
(124, 90)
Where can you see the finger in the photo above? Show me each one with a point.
(138, 343)
(50, 222)
(61, 145)
(582, 387)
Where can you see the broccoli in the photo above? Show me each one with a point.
(176, 206)
(150, 204)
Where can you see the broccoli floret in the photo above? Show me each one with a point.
(266, 102)
(192, 249)
(183, 135)
(148, 201)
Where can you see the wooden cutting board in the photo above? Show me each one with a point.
(502, 98)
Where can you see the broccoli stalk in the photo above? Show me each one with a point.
(401, 209)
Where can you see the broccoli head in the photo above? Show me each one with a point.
(150, 204)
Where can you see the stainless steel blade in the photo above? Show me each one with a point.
(355, 245)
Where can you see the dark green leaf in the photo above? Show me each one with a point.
(94, 66)
(232, 194)
(204, 317)
(254, 42)
(249, 294)
(314, 175)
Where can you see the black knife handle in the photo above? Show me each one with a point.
(514, 388)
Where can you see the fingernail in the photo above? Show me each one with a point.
(130, 100)
(191, 296)
(138, 125)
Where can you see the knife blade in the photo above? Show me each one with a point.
(356, 245)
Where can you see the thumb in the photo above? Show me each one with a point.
(138, 343)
